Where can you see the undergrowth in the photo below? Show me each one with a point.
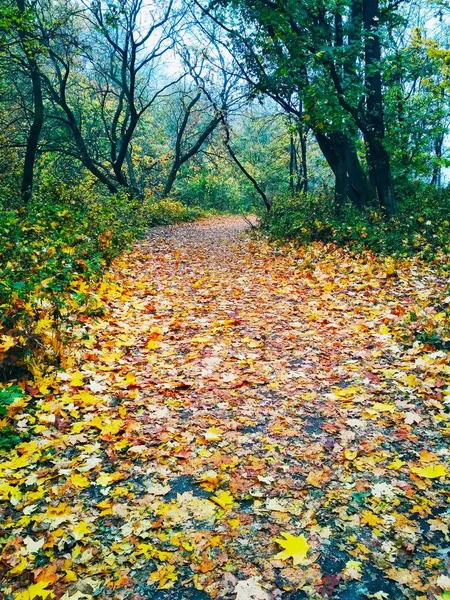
(167, 211)
(9, 435)
(51, 254)
(421, 226)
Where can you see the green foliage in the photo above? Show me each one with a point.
(9, 437)
(422, 225)
(65, 238)
(167, 211)
(213, 191)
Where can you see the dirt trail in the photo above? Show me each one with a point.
(235, 391)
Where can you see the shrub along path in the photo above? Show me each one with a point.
(244, 421)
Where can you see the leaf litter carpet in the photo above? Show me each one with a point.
(244, 421)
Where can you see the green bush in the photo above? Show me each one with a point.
(421, 226)
(49, 251)
(167, 211)
(9, 437)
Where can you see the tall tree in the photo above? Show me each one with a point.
(328, 53)
(109, 53)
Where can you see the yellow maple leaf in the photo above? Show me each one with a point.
(113, 427)
(153, 345)
(76, 379)
(213, 434)
(209, 480)
(396, 464)
(80, 529)
(44, 324)
(412, 380)
(370, 518)
(86, 398)
(8, 341)
(165, 577)
(105, 479)
(234, 523)
(223, 499)
(383, 407)
(96, 422)
(295, 547)
(347, 392)
(79, 481)
(431, 472)
(130, 379)
(35, 590)
(20, 567)
(350, 454)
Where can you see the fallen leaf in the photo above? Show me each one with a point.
(224, 499)
(431, 472)
(295, 547)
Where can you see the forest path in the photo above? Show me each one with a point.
(233, 392)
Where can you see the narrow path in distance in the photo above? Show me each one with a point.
(235, 394)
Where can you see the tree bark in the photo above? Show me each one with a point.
(292, 163)
(303, 183)
(342, 159)
(34, 133)
(374, 132)
(360, 190)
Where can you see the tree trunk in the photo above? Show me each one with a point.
(38, 115)
(374, 133)
(360, 191)
(123, 149)
(340, 185)
(33, 135)
(292, 163)
(303, 183)
(171, 178)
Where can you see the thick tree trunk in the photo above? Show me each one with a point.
(171, 178)
(360, 191)
(33, 135)
(340, 185)
(374, 133)
(38, 115)
(342, 158)
(302, 184)
(382, 174)
(123, 149)
(332, 147)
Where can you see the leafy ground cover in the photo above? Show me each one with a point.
(244, 421)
